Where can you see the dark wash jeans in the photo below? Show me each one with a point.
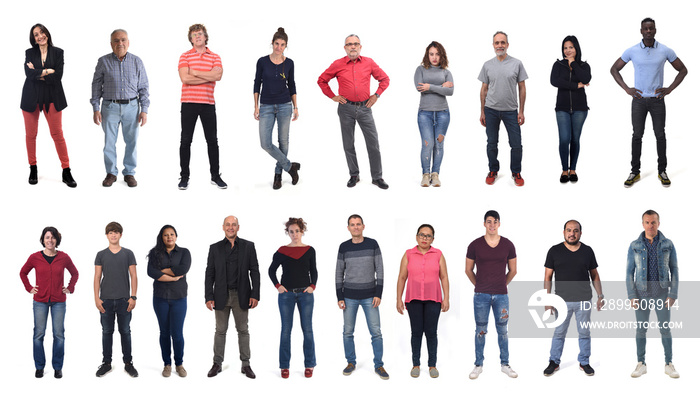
(188, 118)
(424, 317)
(657, 108)
(171, 320)
(115, 308)
(493, 123)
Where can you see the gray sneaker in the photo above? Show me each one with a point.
(631, 179)
(665, 181)
(415, 372)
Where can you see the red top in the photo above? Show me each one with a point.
(423, 275)
(353, 78)
(206, 61)
(49, 277)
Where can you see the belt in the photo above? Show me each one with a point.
(121, 101)
(363, 103)
(299, 290)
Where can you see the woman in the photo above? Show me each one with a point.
(275, 73)
(297, 286)
(425, 270)
(42, 91)
(570, 75)
(49, 295)
(167, 265)
(434, 82)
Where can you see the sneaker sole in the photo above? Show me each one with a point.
(552, 373)
(584, 371)
(218, 186)
(182, 188)
(107, 372)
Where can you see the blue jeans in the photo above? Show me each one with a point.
(305, 304)
(127, 115)
(41, 315)
(584, 332)
(663, 316)
(424, 317)
(115, 308)
(657, 108)
(372, 316)
(432, 124)
(283, 114)
(171, 320)
(570, 125)
(493, 123)
(483, 303)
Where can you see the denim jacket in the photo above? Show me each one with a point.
(636, 278)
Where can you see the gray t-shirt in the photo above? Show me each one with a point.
(115, 273)
(503, 78)
(434, 99)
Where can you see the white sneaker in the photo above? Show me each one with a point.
(475, 373)
(509, 371)
(425, 181)
(671, 371)
(640, 370)
(434, 179)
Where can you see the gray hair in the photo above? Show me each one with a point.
(118, 31)
(501, 32)
(353, 35)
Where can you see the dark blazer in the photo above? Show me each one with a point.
(54, 60)
(215, 285)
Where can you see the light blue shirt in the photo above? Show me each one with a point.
(649, 66)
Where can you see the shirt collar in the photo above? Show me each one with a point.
(115, 57)
(347, 59)
(655, 45)
(194, 51)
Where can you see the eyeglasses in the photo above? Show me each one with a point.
(352, 44)
(425, 236)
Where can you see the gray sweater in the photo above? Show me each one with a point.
(435, 98)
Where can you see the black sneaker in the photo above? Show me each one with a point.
(586, 369)
(552, 368)
(39, 373)
(665, 181)
(129, 368)
(67, 178)
(184, 183)
(216, 180)
(103, 369)
(631, 179)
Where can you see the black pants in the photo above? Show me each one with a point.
(188, 116)
(657, 108)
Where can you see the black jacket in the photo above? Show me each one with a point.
(569, 96)
(52, 82)
(215, 280)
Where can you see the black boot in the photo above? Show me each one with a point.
(277, 182)
(33, 175)
(68, 178)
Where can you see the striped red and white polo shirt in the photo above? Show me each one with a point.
(206, 61)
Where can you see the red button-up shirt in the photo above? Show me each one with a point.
(353, 78)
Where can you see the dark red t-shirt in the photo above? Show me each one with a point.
(491, 264)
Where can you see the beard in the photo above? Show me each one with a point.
(574, 243)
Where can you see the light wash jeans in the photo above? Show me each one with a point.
(127, 115)
(584, 332)
(432, 124)
(483, 303)
(663, 316)
(283, 114)
(373, 324)
(41, 316)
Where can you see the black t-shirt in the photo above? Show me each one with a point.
(571, 271)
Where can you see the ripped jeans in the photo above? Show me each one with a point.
(499, 304)
(432, 124)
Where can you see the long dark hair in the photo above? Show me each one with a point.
(159, 251)
(43, 30)
(577, 47)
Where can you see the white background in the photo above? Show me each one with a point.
(395, 35)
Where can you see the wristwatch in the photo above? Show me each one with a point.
(377, 95)
(133, 298)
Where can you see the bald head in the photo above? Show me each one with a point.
(231, 228)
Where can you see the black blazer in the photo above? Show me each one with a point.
(215, 280)
(54, 60)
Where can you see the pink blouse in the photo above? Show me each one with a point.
(423, 275)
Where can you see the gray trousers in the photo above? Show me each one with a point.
(349, 115)
(240, 316)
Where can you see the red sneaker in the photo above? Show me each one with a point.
(285, 373)
(491, 178)
(518, 180)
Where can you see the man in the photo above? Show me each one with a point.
(114, 266)
(649, 58)
(573, 266)
(199, 70)
(355, 106)
(496, 265)
(652, 276)
(359, 281)
(499, 102)
(120, 80)
(232, 285)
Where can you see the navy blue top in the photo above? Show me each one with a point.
(277, 81)
(179, 261)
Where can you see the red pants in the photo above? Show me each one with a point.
(31, 125)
